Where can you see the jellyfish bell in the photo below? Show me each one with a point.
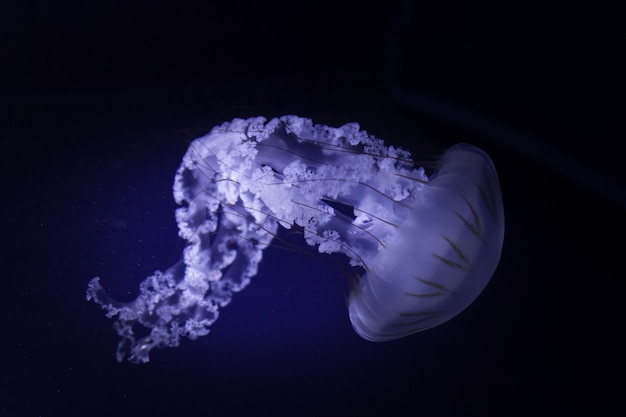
(444, 255)
(428, 246)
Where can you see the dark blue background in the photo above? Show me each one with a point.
(99, 101)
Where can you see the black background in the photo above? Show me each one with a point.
(99, 101)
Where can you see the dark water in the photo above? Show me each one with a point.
(88, 170)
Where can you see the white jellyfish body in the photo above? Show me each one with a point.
(428, 245)
(445, 255)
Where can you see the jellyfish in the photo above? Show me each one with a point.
(424, 246)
